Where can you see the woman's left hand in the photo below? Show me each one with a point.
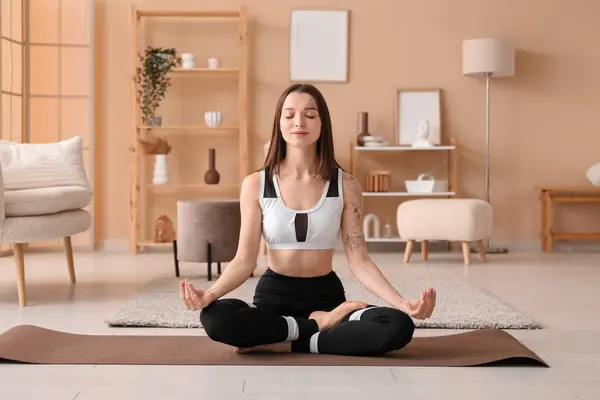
(421, 308)
(194, 299)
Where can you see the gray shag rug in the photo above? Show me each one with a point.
(459, 304)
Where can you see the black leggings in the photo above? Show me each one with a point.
(280, 312)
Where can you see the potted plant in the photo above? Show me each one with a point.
(153, 80)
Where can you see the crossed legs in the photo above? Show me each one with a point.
(349, 329)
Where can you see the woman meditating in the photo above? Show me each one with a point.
(301, 201)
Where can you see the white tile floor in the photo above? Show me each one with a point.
(560, 290)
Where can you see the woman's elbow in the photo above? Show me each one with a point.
(357, 260)
(245, 261)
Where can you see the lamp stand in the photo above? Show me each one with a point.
(488, 248)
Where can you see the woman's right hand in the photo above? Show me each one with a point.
(194, 299)
(422, 308)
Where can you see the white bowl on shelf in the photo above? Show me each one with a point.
(422, 185)
(375, 141)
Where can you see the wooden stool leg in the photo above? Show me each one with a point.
(481, 248)
(409, 248)
(466, 249)
(69, 254)
(456, 246)
(549, 223)
(175, 259)
(424, 250)
(209, 261)
(18, 250)
(543, 222)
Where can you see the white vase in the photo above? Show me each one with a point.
(212, 118)
(213, 63)
(188, 61)
(161, 172)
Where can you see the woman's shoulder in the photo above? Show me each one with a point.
(351, 186)
(349, 180)
(254, 177)
(251, 184)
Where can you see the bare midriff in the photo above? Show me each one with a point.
(301, 263)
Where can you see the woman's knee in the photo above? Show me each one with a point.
(399, 330)
(215, 320)
(209, 318)
(404, 329)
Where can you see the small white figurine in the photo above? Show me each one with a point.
(423, 136)
(367, 221)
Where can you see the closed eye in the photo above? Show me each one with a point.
(309, 117)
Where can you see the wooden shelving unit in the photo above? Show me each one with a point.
(449, 151)
(198, 189)
(143, 189)
(219, 71)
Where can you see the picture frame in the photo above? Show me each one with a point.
(319, 48)
(413, 106)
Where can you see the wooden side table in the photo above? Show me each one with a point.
(550, 195)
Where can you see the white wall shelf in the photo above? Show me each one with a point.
(407, 194)
(403, 148)
(385, 240)
(448, 152)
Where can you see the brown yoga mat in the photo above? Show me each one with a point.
(33, 344)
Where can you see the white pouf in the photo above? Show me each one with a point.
(454, 220)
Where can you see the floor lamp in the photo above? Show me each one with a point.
(488, 58)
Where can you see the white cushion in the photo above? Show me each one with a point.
(44, 227)
(2, 203)
(42, 165)
(49, 200)
(4, 144)
(444, 219)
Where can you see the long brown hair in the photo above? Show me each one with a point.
(325, 150)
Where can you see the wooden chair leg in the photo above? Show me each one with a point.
(456, 246)
(466, 249)
(409, 248)
(19, 256)
(69, 254)
(424, 250)
(481, 248)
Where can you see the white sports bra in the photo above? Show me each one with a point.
(317, 228)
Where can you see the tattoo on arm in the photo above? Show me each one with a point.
(353, 243)
(353, 238)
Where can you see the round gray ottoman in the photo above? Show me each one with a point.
(207, 231)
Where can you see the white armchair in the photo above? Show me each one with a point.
(43, 193)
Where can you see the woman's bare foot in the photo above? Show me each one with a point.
(281, 347)
(327, 319)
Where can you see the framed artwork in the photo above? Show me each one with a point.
(319, 49)
(417, 110)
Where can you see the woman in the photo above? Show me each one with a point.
(301, 201)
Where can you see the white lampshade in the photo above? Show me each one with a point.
(488, 56)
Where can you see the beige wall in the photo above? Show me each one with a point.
(548, 109)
